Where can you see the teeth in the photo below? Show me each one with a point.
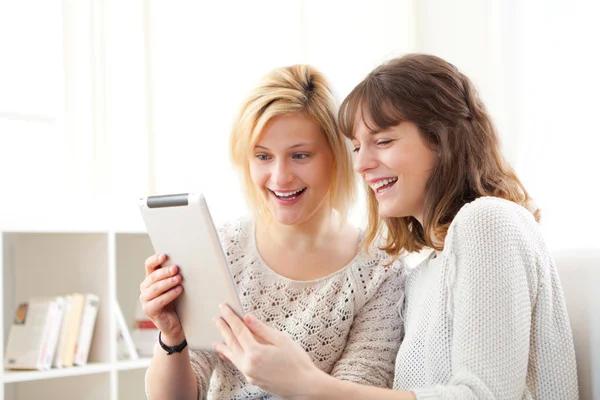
(382, 183)
(287, 194)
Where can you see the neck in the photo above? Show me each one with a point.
(438, 244)
(307, 234)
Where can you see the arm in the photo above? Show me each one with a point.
(172, 376)
(375, 336)
(326, 387)
(168, 376)
(179, 375)
(491, 276)
(273, 361)
(492, 281)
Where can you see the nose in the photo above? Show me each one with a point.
(282, 174)
(364, 160)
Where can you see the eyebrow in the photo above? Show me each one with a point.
(372, 133)
(258, 146)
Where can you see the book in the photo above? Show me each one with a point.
(62, 340)
(54, 331)
(72, 331)
(86, 329)
(144, 333)
(32, 339)
(125, 346)
(145, 340)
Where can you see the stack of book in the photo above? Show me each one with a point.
(125, 346)
(144, 333)
(145, 336)
(52, 332)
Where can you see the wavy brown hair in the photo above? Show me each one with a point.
(443, 103)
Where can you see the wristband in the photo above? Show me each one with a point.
(172, 349)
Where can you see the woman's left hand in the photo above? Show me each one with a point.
(267, 357)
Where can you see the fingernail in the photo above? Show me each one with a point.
(173, 268)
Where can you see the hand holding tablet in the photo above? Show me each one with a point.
(180, 227)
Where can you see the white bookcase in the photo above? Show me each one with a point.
(52, 257)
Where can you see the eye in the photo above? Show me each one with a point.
(262, 157)
(300, 156)
(384, 142)
(356, 149)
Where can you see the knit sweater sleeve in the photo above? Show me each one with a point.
(203, 363)
(492, 281)
(376, 333)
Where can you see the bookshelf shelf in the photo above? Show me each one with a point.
(51, 260)
(24, 376)
(142, 363)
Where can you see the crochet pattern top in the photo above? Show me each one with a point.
(348, 322)
(486, 318)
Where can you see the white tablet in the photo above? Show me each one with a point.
(180, 226)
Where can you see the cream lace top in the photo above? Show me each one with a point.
(348, 322)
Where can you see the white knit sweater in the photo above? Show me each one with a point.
(348, 322)
(486, 318)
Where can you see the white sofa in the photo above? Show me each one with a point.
(579, 272)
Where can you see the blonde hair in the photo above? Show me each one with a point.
(297, 89)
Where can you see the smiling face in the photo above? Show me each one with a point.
(292, 166)
(396, 163)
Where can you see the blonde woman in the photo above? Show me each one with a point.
(485, 316)
(296, 262)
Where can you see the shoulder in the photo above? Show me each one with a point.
(375, 268)
(234, 227)
(235, 234)
(492, 218)
(491, 229)
(492, 211)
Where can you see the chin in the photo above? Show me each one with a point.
(385, 210)
(392, 212)
(286, 218)
(384, 214)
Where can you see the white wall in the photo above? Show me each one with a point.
(207, 56)
(138, 97)
(31, 98)
(559, 155)
(482, 39)
(109, 100)
(534, 64)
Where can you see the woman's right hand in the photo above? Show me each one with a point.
(157, 292)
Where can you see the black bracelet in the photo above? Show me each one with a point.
(172, 349)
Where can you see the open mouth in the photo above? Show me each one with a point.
(384, 184)
(288, 196)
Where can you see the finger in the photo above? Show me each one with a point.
(154, 306)
(158, 275)
(160, 287)
(230, 340)
(154, 262)
(223, 351)
(261, 331)
(238, 328)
